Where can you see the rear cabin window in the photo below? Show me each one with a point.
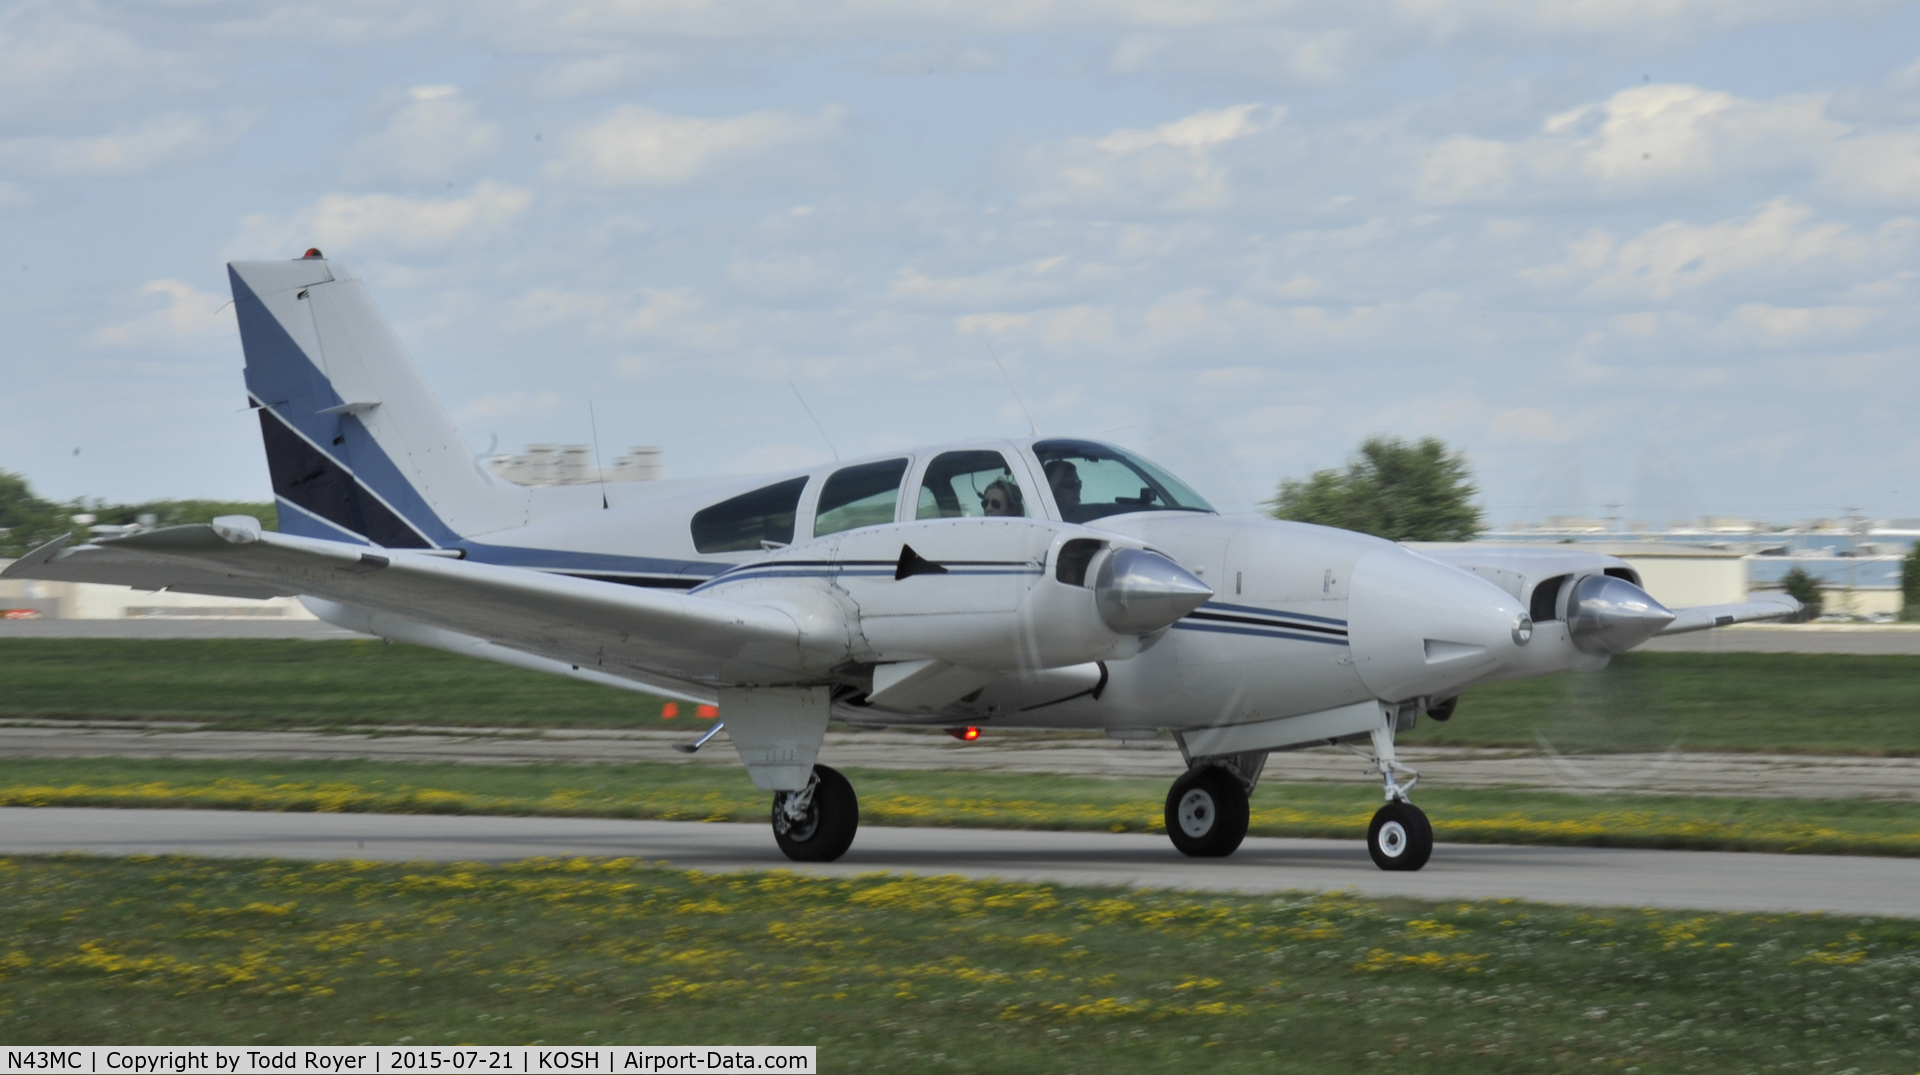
(968, 485)
(866, 495)
(745, 522)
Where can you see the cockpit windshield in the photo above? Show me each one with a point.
(1092, 480)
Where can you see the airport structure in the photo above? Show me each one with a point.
(572, 464)
(1855, 560)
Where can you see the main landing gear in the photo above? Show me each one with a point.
(816, 823)
(1207, 809)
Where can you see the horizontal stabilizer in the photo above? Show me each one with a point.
(601, 625)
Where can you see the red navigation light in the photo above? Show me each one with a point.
(965, 735)
(707, 712)
(670, 711)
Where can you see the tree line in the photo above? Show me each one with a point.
(28, 522)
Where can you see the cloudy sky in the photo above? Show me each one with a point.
(1657, 254)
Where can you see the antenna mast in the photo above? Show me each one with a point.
(815, 421)
(594, 424)
(1031, 428)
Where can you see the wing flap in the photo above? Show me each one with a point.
(591, 623)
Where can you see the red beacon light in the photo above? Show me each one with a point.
(965, 735)
(312, 252)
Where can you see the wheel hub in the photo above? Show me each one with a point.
(798, 829)
(1393, 839)
(1197, 813)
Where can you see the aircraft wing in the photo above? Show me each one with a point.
(596, 625)
(1705, 617)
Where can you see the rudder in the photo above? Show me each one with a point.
(357, 446)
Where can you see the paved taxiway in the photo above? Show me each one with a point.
(1796, 776)
(1604, 877)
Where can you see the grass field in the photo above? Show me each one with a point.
(1792, 702)
(974, 800)
(1693, 701)
(885, 973)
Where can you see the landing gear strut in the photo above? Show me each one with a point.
(816, 823)
(1400, 837)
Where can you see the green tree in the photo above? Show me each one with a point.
(1396, 490)
(26, 521)
(1805, 589)
(180, 512)
(1910, 584)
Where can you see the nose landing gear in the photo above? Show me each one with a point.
(1400, 836)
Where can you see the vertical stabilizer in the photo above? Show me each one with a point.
(357, 445)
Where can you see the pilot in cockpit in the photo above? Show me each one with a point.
(1064, 478)
(1001, 498)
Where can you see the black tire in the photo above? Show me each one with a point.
(1207, 812)
(826, 832)
(1400, 838)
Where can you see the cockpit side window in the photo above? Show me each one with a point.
(968, 485)
(866, 495)
(747, 521)
(1090, 481)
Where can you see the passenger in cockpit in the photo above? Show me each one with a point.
(1001, 498)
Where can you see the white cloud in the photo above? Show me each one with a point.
(189, 317)
(1178, 166)
(53, 56)
(436, 135)
(343, 223)
(1675, 135)
(787, 276)
(510, 405)
(1761, 325)
(1040, 281)
(599, 74)
(635, 146)
(160, 141)
(1780, 242)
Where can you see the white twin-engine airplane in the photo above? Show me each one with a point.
(1043, 583)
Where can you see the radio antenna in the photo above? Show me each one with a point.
(1031, 428)
(594, 424)
(815, 421)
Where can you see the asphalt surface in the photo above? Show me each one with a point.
(1604, 877)
(1764, 775)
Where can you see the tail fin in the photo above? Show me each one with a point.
(357, 445)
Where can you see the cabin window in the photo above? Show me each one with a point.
(866, 495)
(969, 485)
(751, 521)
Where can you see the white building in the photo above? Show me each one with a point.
(572, 464)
